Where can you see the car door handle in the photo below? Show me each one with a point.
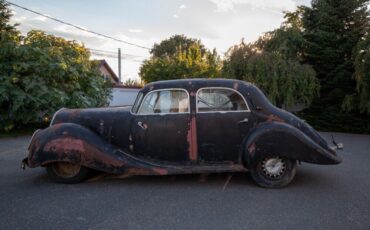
(142, 125)
(245, 120)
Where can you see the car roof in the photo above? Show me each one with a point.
(195, 83)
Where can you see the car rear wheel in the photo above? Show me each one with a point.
(68, 173)
(274, 172)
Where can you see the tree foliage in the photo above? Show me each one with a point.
(132, 83)
(40, 73)
(286, 82)
(332, 30)
(275, 63)
(5, 15)
(333, 33)
(169, 47)
(361, 98)
(175, 59)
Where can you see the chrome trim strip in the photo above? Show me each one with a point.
(236, 111)
(52, 119)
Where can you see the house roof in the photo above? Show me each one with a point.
(104, 63)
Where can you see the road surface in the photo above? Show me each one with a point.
(320, 197)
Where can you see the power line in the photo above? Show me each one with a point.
(103, 51)
(78, 27)
(114, 53)
(115, 56)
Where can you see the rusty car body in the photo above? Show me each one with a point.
(181, 127)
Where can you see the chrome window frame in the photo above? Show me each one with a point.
(161, 114)
(232, 111)
(137, 101)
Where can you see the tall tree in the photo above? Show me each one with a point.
(286, 82)
(332, 28)
(5, 15)
(169, 47)
(361, 98)
(273, 63)
(180, 57)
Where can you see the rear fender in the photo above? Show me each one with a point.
(280, 139)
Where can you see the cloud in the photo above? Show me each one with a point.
(19, 19)
(135, 31)
(175, 16)
(74, 33)
(183, 6)
(40, 18)
(280, 5)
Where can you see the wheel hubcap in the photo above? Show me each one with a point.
(273, 167)
(64, 169)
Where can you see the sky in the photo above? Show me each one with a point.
(218, 24)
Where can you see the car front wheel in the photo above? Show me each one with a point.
(273, 172)
(68, 173)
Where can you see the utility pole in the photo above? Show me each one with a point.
(119, 64)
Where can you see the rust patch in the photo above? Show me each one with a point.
(272, 117)
(137, 171)
(236, 86)
(252, 148)
(74, 113)
(160, 171)
(237, 168)
(90, 155)
(65, 145)
(94, 155)
(192, 139)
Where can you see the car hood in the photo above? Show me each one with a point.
(99, 120)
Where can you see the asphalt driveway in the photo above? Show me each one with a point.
(321, 197)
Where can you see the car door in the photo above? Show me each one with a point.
(223, 120)
(159, 128)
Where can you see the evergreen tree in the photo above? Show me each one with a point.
(361, 98)
(5, 15)
(332, 28)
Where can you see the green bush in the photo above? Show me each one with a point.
(41, 73)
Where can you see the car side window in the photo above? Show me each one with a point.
(165, 101)
(220, 100)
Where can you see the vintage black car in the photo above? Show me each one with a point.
(179, 127)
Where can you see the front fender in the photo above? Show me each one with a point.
(70, 142)
(73, 143)
(281, 139)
